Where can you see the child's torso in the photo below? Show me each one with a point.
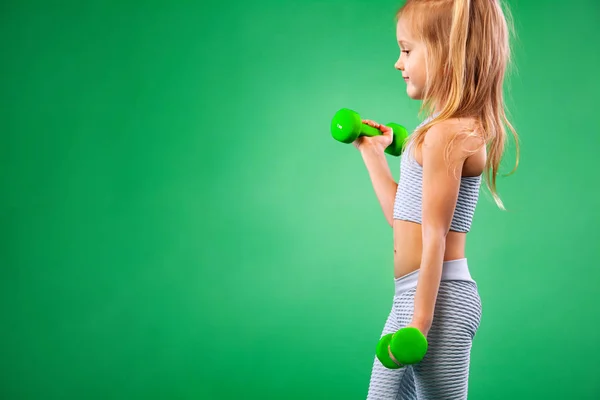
(408, 246)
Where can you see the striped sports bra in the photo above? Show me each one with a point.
(407, 204)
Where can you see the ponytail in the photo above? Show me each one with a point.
(457, 48)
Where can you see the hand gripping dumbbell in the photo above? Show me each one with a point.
(403, 347)
(347, 125)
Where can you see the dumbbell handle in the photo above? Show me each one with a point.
(368, 130)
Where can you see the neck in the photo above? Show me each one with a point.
(436, 108)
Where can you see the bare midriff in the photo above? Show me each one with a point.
(408, 247)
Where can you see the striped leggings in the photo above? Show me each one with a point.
(444, 372)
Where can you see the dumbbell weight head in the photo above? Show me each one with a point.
(400, 135)
(383, 354)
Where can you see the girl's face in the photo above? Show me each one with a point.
(411, 62)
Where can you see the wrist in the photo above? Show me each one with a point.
(371, 149)
(422, 319)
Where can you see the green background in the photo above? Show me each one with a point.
(178, 223)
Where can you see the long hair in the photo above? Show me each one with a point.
(467, 55)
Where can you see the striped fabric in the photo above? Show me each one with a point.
(407, 205)
(444, 372)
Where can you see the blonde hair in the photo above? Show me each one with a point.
(467, 55)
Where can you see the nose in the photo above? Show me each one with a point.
(399, 64)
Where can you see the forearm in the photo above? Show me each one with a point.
(428, 284)
(381, 177)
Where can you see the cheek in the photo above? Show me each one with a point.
(419, 71)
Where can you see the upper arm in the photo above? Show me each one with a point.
(442, 172)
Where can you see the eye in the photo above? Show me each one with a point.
(406, 51)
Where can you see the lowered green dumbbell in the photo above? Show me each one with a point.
(404, 347)
(347, 125)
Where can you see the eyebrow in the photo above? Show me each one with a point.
(403, 43)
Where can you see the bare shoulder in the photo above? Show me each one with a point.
(462, 133)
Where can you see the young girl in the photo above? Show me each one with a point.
(453, 58)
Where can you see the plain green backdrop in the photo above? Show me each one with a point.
(177, 222)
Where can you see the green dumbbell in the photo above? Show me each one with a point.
(347, 125)
(407, 346)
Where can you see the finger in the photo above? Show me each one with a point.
(386, 130)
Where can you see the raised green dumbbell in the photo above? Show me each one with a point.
(347, 125)
(407, 346)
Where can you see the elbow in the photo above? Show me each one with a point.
(390, 220)
(390, 216)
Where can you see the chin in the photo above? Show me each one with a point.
(414, 95)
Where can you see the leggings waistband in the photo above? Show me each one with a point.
(452, 270)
